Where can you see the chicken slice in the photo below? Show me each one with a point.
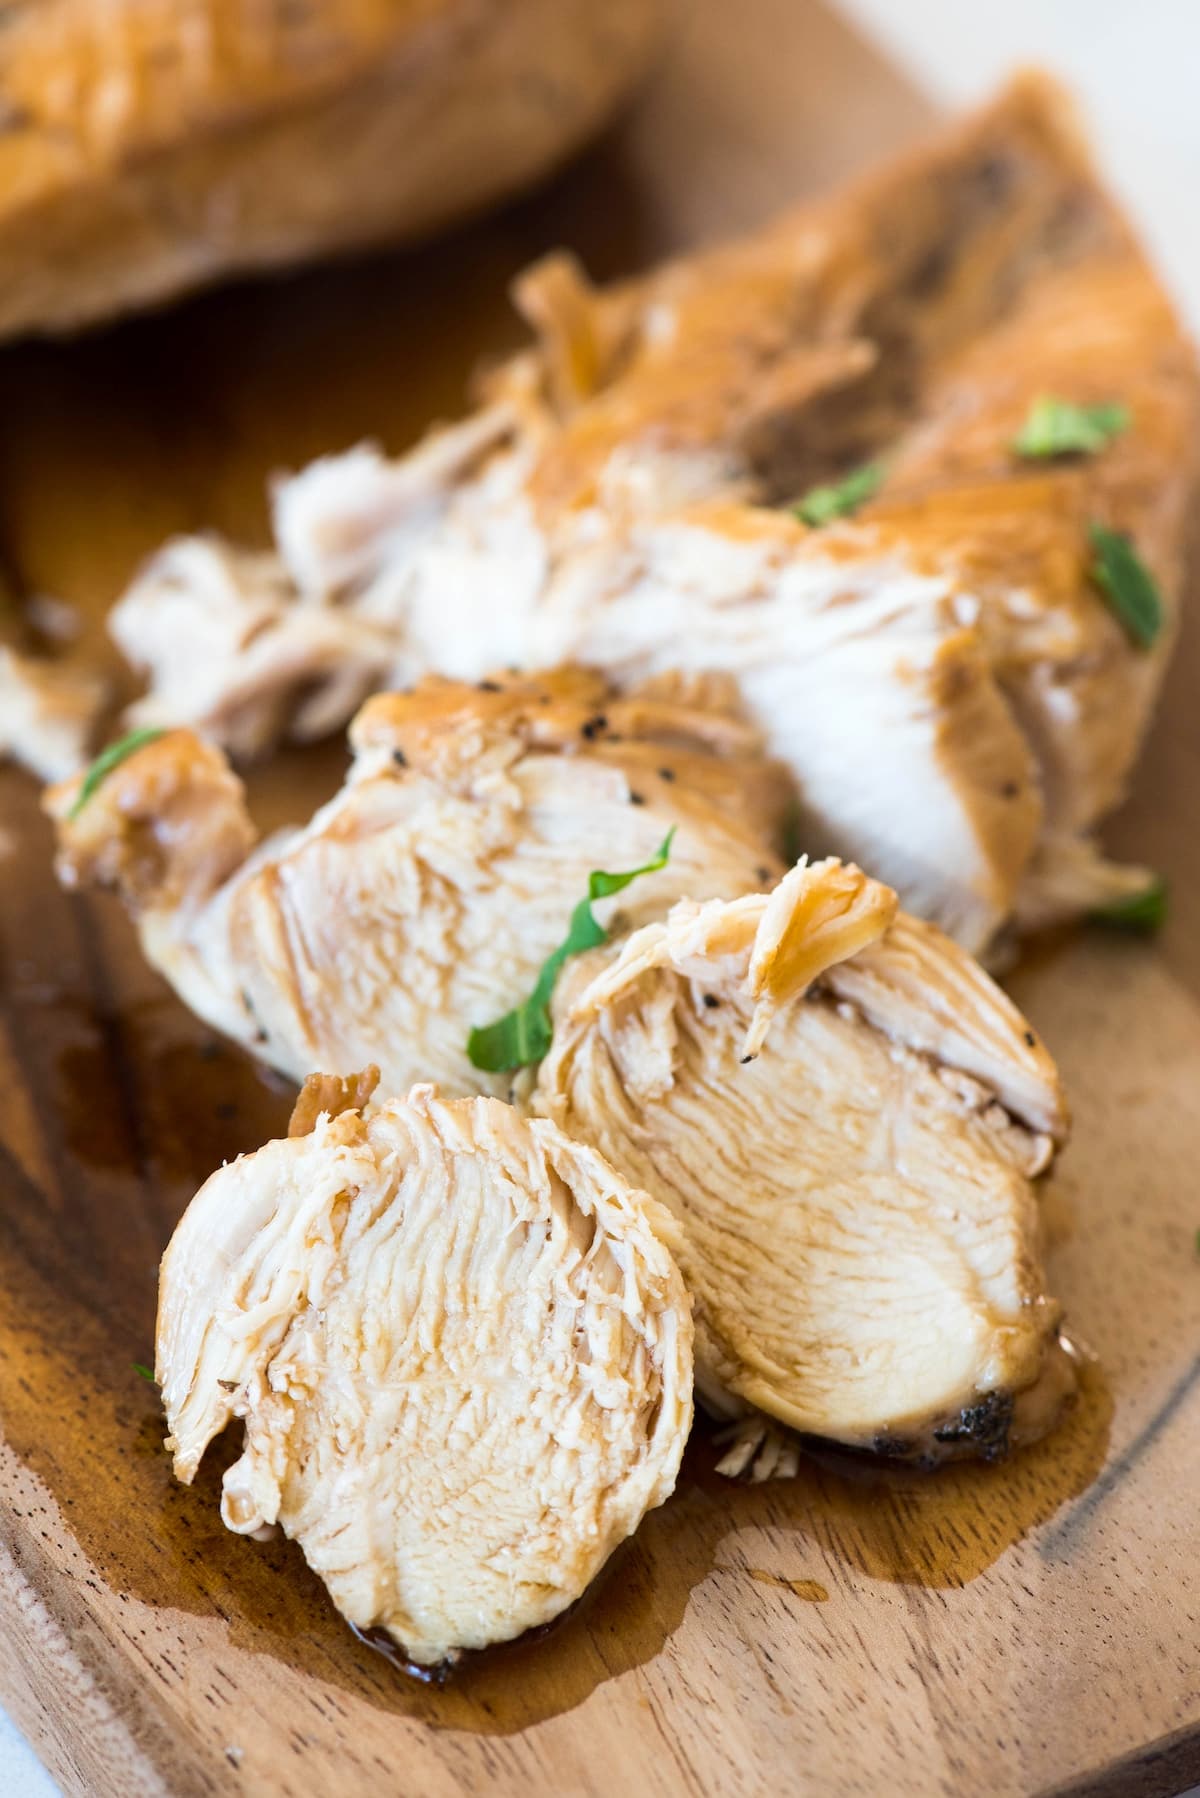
(462, 1353)
(47, 713)
(940, 672)
(157, 146)
(230, 650)
(424, 898)
(859, 1225)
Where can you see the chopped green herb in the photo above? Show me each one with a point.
(1127, 584)
(820, 505)
(524, 1035)
(1198, 1242)
(1144, 911)
(106, 761)
(1056, 427)
(147, 1373)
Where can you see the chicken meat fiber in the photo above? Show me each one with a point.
(423, 899)
(461, 1352)
(846, 1118)
(956, 699)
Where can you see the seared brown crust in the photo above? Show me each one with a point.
(989, 258)
(150, 145)
(652, 736)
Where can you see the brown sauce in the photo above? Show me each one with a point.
(811, 1590)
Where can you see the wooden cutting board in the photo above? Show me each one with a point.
(1017, 1629)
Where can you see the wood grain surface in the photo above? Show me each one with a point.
(1017, 1629)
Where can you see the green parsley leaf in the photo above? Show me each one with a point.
(1056, 427)
(106, 761)
(147, 1373)
(1144, 911)
(1128, 586)
(525, 1034)
(820, 505)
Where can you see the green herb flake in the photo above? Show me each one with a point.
(820, 505)
(524, 1035)
(147, 1373)
(1129, 588)
(1057, 427)
(1144, 912)
(107, 760)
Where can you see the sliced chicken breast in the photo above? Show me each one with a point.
(846, 1117)
(155, 146)
(943, 672)
(47, 713)
(462, 1354)
(424, 898)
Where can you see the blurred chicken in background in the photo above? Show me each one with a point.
(151, 146)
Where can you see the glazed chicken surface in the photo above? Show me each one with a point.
(423, 899)
(461, 1351)
(846, 1117)
(957, 703)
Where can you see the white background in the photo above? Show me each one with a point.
(1135, 64)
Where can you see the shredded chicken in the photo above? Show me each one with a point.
(233, 653)
(47, 714)
(939, 672)
(462, 1353)
(859, 1226)
(422, 900)
(1070, 877)
(330, 1095)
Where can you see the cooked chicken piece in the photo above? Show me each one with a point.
(331, 1094)
(152, 146)
(941, 672)
(47, 713)
(859, 1226)
(252, 661)
(423, 899)
(462, 1353)
(1069, 878)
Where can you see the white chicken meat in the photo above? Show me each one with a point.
(956, 699)
(846, 1118)
(423, 899)
(461, 1352)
